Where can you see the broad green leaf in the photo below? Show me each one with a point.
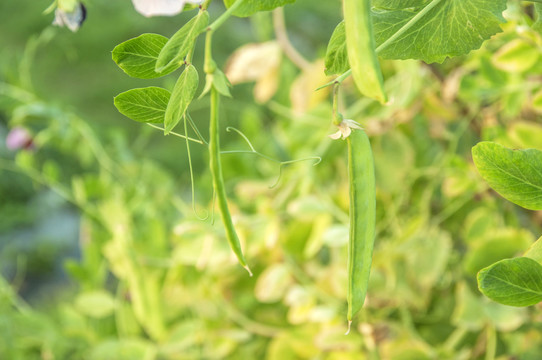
(514, 282)
(181, 97)
(516, 56)
(137, 57)
(535, 251)
(182, 42)
(147, 105)
(431, 30)
(514, 174)
(251, 7)
(336, 55)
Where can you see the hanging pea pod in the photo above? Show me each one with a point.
(362, 219)
(218, 180)
(361, 49)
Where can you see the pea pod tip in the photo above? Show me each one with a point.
(349, 327)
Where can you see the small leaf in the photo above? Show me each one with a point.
(272, 284)
(514, 282)
(514, 174)
(181, 97)
(516, 56)
(97, 304)
(535, 251)
(182, 42)
(337, 55)
(251, 7)
(137, 57)
(219, 81)
(537, 25)
(147, 105)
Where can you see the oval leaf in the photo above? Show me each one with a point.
(182, 42)
(336, 53)
(514, 282)
(181, 97)
(515, 174)
(251, 7)
(137, 57)
(147, 105)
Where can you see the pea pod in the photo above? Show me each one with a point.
(361, 49)
(362, 219)
(218, 181)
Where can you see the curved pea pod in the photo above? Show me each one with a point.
(361, 176)
(361, 49)
(218, 181)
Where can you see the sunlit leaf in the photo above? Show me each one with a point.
(514, 282)
(514, 174)
(137, 57)
(146, 105)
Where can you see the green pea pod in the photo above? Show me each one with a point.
(362, 219)
(361, 49)
(218, 181)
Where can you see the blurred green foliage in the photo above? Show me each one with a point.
(108, 200)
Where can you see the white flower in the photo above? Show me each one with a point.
(71, 19)
(150, 8)
(345, 129)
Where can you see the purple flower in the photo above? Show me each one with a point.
(19, 138)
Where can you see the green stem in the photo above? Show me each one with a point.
(225, 16)
(218, 180)
(491, 342)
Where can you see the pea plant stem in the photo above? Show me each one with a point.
(290, 51)
(225, 16)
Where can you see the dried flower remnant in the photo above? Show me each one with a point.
(150, 8)
(345, 129)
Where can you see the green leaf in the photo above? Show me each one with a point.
(147, 105)
(181, 97)
(97, 304)
(182, 42)
(503, 243)
(514, 282)
(537, 25)
(219, 81)
(337, 55)
(251, 7)
(516, 56)
(137, 57)
(431, 30)
(535, 251)
(515, 174)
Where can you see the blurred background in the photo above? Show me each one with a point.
(103, 257)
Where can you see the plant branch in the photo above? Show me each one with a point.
(281, 33)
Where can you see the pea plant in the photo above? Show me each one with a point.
(426, 30)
